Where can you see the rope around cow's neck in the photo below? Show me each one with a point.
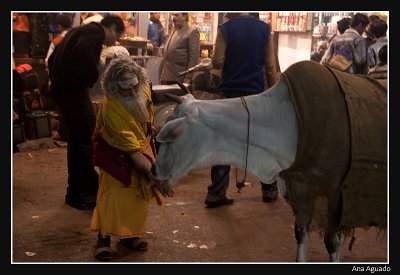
(241, 184)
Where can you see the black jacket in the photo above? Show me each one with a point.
(73, 64)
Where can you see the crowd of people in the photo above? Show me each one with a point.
(123, 129)
(359, 40)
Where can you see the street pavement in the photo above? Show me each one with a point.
(46, 230)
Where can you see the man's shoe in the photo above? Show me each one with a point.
(80, 205)
(223, 201)
(269, 192)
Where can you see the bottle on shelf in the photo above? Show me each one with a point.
(296, 22)
(278, 22)
(286, 23)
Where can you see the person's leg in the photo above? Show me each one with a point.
(269, 191)
(62, 128)
(82, 178)
(216, 195)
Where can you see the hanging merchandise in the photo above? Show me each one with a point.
(289, 22)
(131, 18)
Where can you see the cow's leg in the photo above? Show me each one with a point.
(301, 227)
(334, 237)
(302, 236)
(333, 241)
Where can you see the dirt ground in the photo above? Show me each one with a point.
(46, 230)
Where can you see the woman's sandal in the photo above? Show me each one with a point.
(135, 243)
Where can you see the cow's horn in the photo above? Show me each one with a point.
(175, 98)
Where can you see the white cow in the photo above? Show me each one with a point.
(202, 133)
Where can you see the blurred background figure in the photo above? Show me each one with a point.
(378, 30)
(379, 71)
(369, 39)
(342, 25)
(63, 23)
(367, 34)
(155, 32)
(182, 50)
(319, 52)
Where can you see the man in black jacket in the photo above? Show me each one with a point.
(73, 70)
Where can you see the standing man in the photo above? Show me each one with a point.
(245, 52)
(155, 32)
(369, 37)
(342, 25)
(317, 55)
(367, 34)
(352, 45)
(182, 50)
(73, 70)
(378, 30)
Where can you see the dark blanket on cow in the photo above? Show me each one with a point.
(342, 148)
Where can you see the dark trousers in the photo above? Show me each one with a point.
(219, 181)
(220, 173)
(80, 121)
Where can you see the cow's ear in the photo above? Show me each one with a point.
(172, 130)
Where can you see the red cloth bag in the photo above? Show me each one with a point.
(111, 160)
